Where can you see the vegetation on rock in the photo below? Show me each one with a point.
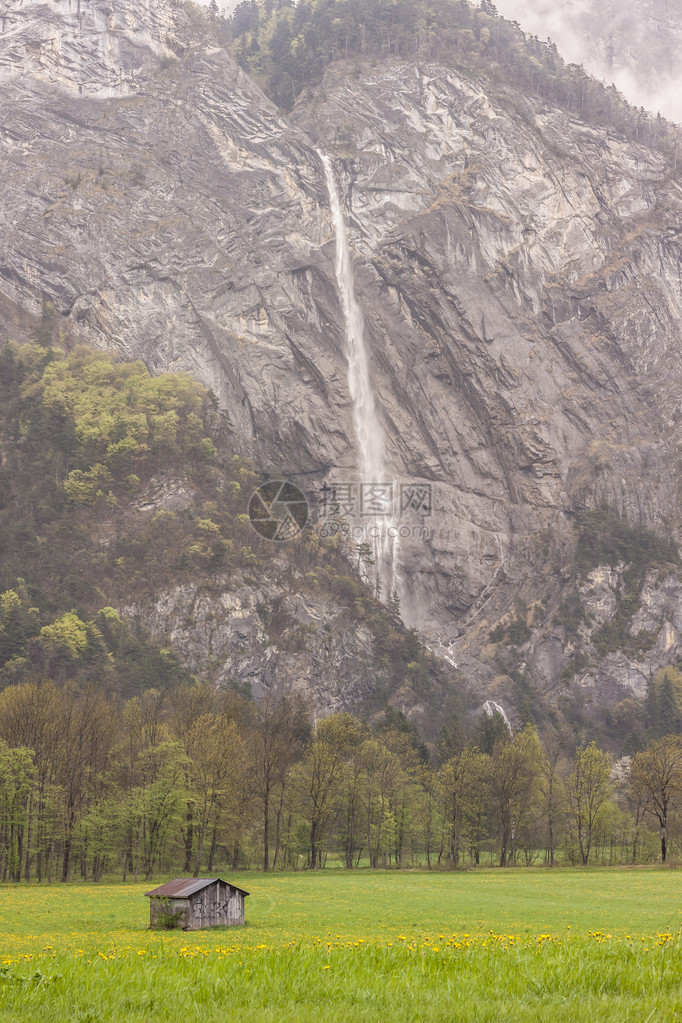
(93, 451)
(288, 46)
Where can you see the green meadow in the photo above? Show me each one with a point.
(480, 945)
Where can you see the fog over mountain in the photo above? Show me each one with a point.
(636, 44)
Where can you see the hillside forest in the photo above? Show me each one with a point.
(115, 758)
(286, 47)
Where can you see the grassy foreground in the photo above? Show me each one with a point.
(485, 945)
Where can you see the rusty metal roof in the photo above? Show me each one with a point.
(183, 887)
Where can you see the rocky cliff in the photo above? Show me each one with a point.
(519, 273)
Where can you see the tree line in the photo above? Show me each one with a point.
(195, 778)
(287, 47)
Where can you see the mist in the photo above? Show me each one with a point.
(633, 44)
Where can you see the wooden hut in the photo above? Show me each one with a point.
(197, 902)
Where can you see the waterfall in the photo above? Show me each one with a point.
(381, 532)
(368, 429)
(490, 707)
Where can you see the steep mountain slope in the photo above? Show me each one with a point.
(519, 273)
(157, 221)
(521, 279)
(127, 562)
(636, 44)
(508, 242)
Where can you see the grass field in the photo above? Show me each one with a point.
(477, 946)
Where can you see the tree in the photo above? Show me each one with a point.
(217, 757)
(17, 783)
(190, 702)
(323, 773)
(588, 789)
(552, 752)
(320, 776)
(512, 784)
(380, 770)
(427, 817)
(85, 733)
(29, 717)
(350, 736)
(48, 330)
(280, 726)
(490, 730)
(657, 773)
(633, 797)
(156, 804)
(404, 791)
(18, 621)
(663, 702)
(462, 781)
(393, 604)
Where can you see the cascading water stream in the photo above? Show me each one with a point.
(367, 427)
(382, 533)
(490, 707)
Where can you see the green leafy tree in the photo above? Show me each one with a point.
(17, 784)
(657, 773)
(588, 790)
(491, 730)
(280, 726)
(217, 769)
(513, 788)
(462, 782)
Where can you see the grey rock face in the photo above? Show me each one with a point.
(653, 634)
(224, 634)
(661, 615)
(89, 47)
(519, 274)
(180, 221)
(522, 288)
